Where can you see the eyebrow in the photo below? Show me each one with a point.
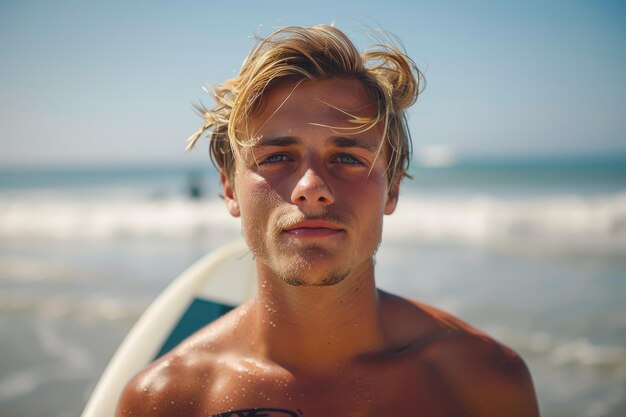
(348, 142)
(277, 141)
(338, 141)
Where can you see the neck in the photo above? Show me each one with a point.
(317, 328)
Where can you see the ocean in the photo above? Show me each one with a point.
(531, 250)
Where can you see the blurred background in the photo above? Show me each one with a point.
(515, 219)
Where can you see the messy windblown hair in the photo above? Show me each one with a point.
(314, 53)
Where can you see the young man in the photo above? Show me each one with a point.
(312, 144)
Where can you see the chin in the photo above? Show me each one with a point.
(326, 281)
(311, 269)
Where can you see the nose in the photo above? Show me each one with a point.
(312, 190)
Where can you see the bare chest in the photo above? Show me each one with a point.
(388, 391)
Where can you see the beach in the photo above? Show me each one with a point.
(533, 252)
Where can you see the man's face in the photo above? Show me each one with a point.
(311, 198)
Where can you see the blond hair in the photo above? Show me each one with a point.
(314, 53)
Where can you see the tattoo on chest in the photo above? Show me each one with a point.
(260, 412)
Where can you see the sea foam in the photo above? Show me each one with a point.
(575, 222)
(557, 222)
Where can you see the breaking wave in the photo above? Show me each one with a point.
(588, 223)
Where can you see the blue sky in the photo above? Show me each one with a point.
(112, 82)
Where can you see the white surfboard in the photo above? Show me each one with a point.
(209, 288)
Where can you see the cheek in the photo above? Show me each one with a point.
(256, 198)
(371, 192)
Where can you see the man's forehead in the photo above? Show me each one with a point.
(342, 105)
(340, 96)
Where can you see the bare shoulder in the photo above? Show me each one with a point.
(153, 390)
(176, 383)
(480, 373)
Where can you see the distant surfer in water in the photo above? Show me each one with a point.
(312, 145)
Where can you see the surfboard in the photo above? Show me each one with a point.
(208, 289)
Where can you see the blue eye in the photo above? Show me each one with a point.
(272, 159)
(347, 159)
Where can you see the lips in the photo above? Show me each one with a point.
(314, 228)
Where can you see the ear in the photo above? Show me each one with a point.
(392, 196)
(230, 197)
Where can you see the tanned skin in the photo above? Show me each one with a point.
(319, 339)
